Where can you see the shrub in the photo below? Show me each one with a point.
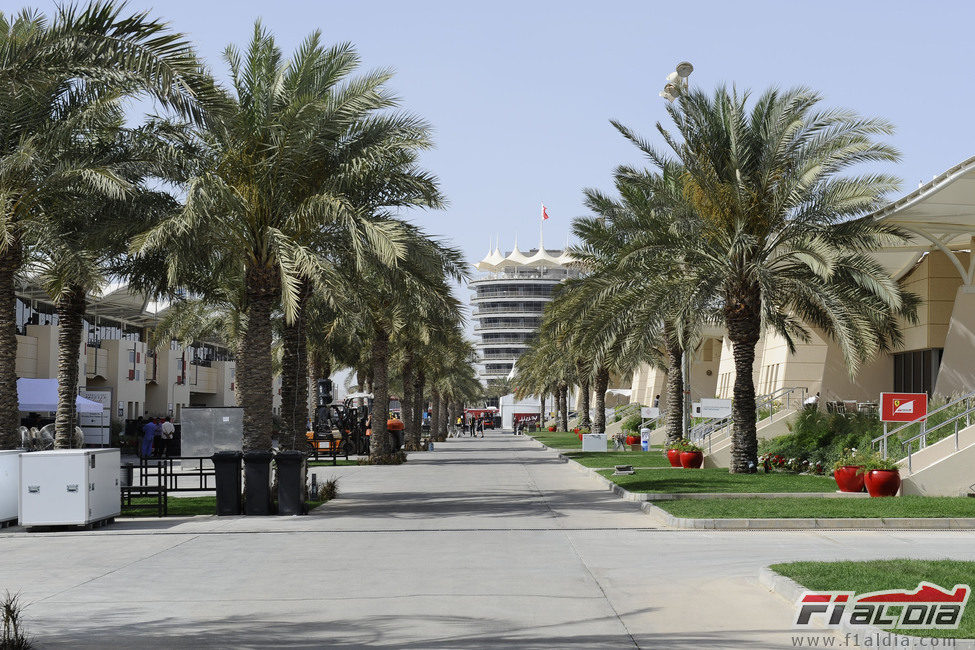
(821, 437)
(13, 635)
(633, 422)
(329, 489)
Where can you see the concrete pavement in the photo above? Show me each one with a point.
(481, 543)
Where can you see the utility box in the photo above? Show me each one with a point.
(69, 487)
(9, 485)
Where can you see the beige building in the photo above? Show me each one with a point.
(114, 355)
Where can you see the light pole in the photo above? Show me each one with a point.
(676, 85)
(677, 81)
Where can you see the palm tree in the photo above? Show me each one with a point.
(55, 76)
(780, 236)
(268, 193)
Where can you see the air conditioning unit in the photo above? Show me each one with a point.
(69, 487)
(132, 374)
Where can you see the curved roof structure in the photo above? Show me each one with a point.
(542, 258)
(940, 214)
(517, 257)
(492, 262)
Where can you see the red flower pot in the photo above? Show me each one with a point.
(673, 455)
(882, 482)
(632, 440)
(691, 459)
(551, 428)
(849, 478)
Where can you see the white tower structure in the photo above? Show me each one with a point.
(508, 301)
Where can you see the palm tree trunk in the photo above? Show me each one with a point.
(71, 310)
(564, 407)
(408, 403)
(9, 409)
(435, 415)
(675, 393)
(294, 380)
(379, 447)
(254, 372)
(601, 383)
(744, 321)
(418, 407)
(541, 413)
(584, 421)
(444, 418)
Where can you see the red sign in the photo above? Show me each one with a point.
(525, 417)
(903, 407)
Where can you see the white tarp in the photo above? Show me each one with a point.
(42, 395)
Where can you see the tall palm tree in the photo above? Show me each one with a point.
(56, 74)
(780, 239)
(267, 192)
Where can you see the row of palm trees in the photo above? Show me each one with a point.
(274, 203)
(754, 218)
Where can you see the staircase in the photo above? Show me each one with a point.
(715, 436)
(942, 468)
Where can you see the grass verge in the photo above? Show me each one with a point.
(558, 439)
(327, 463)
(652, 458)
(186, 506)
(719, 480)
(874, 575)
(820, 508)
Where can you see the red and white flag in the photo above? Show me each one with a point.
(544, 212)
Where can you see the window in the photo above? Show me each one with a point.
(917, 371)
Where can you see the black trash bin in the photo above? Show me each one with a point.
(226, 465)
(257, 483)
(291, 482)
(128, 474)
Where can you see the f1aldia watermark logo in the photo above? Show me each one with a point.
(929, 607)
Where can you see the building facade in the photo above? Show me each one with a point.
(115, 356)
(507, 303)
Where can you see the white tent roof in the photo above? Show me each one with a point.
(42, 395)
(542, 258)
(939, 214)
(517, 257)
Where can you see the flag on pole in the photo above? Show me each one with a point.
(544, 212)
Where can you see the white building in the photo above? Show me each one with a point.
(508, 301)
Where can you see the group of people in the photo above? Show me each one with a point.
(156, 436)
(474, 425)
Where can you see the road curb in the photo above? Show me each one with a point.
(791, 591)
(663, 517)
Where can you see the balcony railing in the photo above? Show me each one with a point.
(512, 293)
(505, 341)
(505, 326)
(536, 308)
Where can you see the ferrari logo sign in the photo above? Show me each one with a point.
(903, 407)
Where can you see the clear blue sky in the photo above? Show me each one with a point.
(520, 93)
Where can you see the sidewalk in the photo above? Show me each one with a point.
(482, 543)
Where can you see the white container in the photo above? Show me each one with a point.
(594, 442)
(9, 484)
(69, 487)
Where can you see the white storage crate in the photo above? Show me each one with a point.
(9, 484)
(68, 487)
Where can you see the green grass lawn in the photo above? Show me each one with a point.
(653, 458)
(719, 480)
(186, 506)
(797, 507)
(328, 463)
(874, 575)
(558, 439)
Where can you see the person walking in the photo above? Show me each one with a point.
(166, 431)
(149, 432)
(473, 425)
(480, 426)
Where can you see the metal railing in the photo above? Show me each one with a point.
(789, 399)
(967, 401)
(162, 470)
(533, 310)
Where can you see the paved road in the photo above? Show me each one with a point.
(482, 543)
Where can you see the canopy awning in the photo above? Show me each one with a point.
(940, 215)
(42, 395)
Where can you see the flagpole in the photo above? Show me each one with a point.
(541, 229)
